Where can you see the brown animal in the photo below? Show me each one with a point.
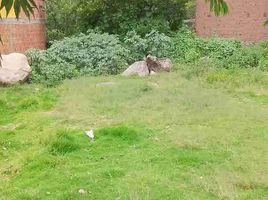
(158, 65)
(153, 64)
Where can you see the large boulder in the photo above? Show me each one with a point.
(166, 64)
(138, 68)
(14, 69)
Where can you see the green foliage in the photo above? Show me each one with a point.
(67, 17)
(102, 54)
(64, 18)
(120, 16)
(155, 43)
(246, 57)
(85, 54)
(217, 52)
(218, 48)
(185, 46)
(27, 6)
(49, 71)
(92, 53)
(219, 7)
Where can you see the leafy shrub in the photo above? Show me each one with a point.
(101, 54)
(155, 43)
(49, 71)
(263, 64)
(185, 46)
(52, 75)
(218, 48)
(217, 52)
(246, 57)
(68, 17)
(91, 54)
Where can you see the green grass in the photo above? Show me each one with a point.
(191, 134)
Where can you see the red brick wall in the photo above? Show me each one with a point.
(244, 21)
(20, 35)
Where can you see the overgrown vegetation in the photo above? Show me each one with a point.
(95, 53)
(67, 17)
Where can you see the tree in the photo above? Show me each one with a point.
(219, 7)
(27, 6)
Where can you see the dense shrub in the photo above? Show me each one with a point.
(217, 52)
(101, 54)
(185, 46)
(94, 54)
(155, 43)
(91, 54)
(67, 17)
(189, 48)
(246, 57)
(49, 71)
(218, 48)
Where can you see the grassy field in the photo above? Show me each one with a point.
(191, 134)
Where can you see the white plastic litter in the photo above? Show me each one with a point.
(90, 134)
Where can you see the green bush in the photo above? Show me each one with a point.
(185, 46)
(46, 72)
(155, 43)
(92, 53)
(101, 54)
(68, 17)
(246, 57)
(218, 48)
(217, 52)
(85, 54)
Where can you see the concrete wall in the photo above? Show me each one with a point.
(244, 21)
(20, 35)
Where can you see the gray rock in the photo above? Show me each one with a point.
(138, 68)
(166, 64)
(14, 69)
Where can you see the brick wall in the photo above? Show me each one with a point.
(20, 35)
(244, 21)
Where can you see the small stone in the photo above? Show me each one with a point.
(82, 191)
